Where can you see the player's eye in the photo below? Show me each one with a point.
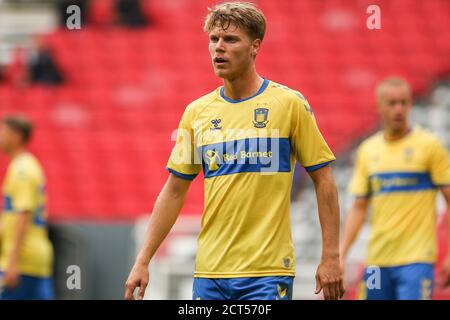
(231, 40)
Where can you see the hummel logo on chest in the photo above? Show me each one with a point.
(216, 124)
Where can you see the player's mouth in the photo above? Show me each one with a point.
(220, 61)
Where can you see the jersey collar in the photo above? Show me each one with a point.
(261, 90)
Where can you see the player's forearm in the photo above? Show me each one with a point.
(353, 223)
(165, 213)
(328, 205)
(448, 228)
(446, 193)
(21, 226)
(1, 235)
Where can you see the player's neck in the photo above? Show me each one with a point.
(391, 135)
(17, 152)
(243, 87)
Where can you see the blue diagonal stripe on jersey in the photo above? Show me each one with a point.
(279, 161)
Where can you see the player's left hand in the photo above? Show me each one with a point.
(329, 278)
(445, 272)
(11, 278)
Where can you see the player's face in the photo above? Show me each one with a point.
(394, 105)
(232, 51)
(8, 139)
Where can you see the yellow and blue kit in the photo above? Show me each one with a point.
(247, 150)
(24, 191)
(402, 178)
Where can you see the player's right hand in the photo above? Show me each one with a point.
(445, 272)
(329, 278)
(11, 278)
(138, 278)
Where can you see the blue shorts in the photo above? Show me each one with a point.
(29, 288)
(254, 288)
(406, 282)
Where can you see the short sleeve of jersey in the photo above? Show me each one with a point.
(359, 184)
(183, 161)
(24, 191)
(310, 148)
(439, 164)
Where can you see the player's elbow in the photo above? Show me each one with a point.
(446, 193)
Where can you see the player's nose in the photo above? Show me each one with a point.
(399, 107)
(220, 47)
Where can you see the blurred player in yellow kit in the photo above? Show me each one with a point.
(246, 136)
(399, 171)
(26, 254)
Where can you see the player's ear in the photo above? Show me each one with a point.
(379, 107)
(378, 103)
(256, 44)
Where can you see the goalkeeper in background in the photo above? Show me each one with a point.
(26, 254)
(399, 171)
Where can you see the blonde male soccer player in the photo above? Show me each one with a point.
(26, 254)
(398, 171)
(246, 136)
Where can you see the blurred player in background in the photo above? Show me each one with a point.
(245, 248)
(399, 171)
(26, 254)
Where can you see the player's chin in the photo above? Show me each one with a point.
(225, 75)
(220, 73)
(399, 125)
(3, 148)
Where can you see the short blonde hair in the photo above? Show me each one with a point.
(391, 81)
(244, 15)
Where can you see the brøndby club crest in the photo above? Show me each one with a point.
(260, 117)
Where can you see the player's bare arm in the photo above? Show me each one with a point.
(353, 224)
(329, 275)
(1, 231)
(165, 212)
(12, 272)
(445, 268)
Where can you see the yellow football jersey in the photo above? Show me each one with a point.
(24, 190)
(401, 178)
(247, 150)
